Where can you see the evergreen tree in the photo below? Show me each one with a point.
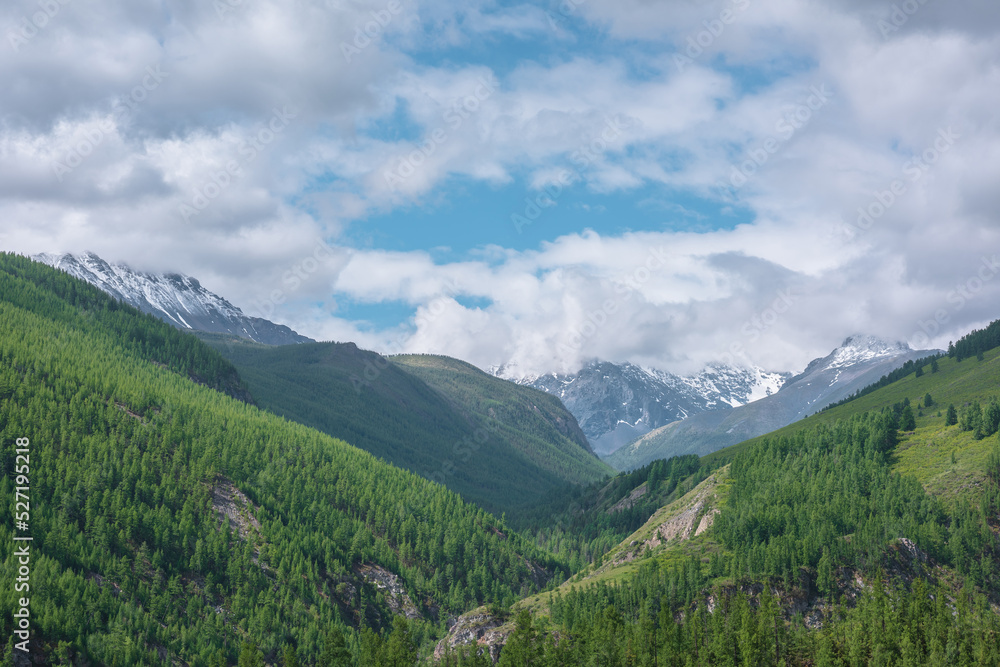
(907, 422)
(400, 651)
(824, 577)
(290, 657)
(250, 655)
(951, 417)
(521, 649)
(335, 652)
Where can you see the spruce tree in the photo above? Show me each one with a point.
(335, 653)
(951, 418)
(906, 420)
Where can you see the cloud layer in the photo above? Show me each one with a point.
(852, 148)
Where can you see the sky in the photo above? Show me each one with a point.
(670, 183)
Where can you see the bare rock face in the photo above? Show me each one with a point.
(478, 627)
(396, 596)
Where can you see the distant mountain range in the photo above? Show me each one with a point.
(175, 298)
(861, 360)
(617, 403)
(629, 414)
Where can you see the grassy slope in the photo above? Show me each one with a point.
(497, 444)
(925, 453)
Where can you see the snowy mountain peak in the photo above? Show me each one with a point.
(175, 298)
(736, 385)
(616, 402)
(861, 347)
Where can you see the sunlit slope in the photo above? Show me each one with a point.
(926, 452)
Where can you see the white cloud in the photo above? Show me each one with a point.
(619, 117)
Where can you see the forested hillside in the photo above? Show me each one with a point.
(867, 534)
(819, 554)
(172, 524)
(497, 444)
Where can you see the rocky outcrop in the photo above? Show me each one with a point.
(479, 627)
(228, 501)
(391, 586)
(629, 501)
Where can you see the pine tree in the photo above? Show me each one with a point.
(400, 651)
(906, 420)
(290, 657)
(824, 577)
(521, 649)
(335, 652)
(951, 417)
(250, 655)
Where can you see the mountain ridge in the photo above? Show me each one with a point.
(859, 361)
(617, 402)
(495, 443)
(175, 298)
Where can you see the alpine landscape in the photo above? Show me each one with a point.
(574, 333)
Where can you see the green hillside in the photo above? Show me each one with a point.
(173, 524)
(497, 444)
(851, 538)
(925, 451)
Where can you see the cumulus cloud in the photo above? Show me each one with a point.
(237, 141)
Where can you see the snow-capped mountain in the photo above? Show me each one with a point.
(616, 403)
(860, 361)
(735, 385)
(174, 298)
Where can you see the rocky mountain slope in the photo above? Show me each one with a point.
(177, 299)
(858, 362)
(617, 403)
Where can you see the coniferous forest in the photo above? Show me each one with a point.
(173, 521)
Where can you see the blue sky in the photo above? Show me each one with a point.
(692, 162)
